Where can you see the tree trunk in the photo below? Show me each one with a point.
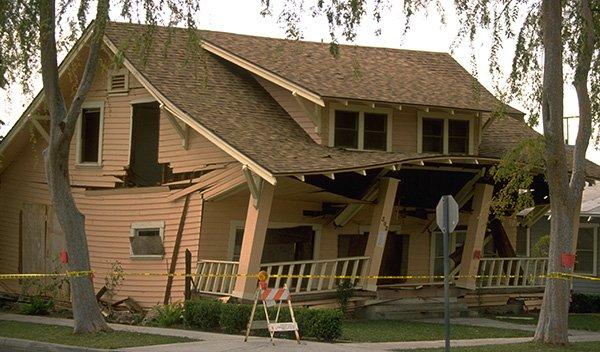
(62, 125)
(552, 325)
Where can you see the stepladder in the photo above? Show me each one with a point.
(269, 298)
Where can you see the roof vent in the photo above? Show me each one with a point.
(118, 82)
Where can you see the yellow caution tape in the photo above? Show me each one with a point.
(555, 275)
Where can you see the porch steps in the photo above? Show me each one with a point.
(411, 308)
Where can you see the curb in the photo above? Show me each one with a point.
(19, 345)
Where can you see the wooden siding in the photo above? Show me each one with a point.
(287, 101)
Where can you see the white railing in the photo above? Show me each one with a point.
(317, 275)
(215, 276)
(512, 272)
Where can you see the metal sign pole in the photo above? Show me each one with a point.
(446, 234)
(447, 219)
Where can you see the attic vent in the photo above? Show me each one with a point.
(118, 82)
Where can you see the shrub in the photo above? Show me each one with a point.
(345, 291)
(202, 313)
(585, 303)
(322, 324)
(37, 306)
(168, 315)
(234, 317)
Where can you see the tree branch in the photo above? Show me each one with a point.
(584, 59)
(99, 26)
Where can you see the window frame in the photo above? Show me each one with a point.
(78, 156)
(594, 250)
(432, 248)
(446, 117)
(361, 110)
(147, 225)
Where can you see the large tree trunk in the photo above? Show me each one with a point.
(565, 194)
(62, 125)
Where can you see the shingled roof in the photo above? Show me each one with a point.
(364, 73)
(228, 101)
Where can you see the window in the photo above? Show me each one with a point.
(89, 148)
(457, 240)
(360, 129)
(144, 169)
(458, 136)
(439, 133)
(586, 251)
(146, 239)
(346, 129)
(118, 81)
(433, 136)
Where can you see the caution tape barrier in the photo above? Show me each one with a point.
(555, 275)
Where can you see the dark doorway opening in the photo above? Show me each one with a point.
(395, 254)
(144, 169)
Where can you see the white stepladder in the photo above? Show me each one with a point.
(269, 298)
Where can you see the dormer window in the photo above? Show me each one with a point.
(118, 81)
(445, 134)
(367, 129)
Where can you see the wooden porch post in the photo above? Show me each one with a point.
(473, 247)
(255, 230)
(380, 223)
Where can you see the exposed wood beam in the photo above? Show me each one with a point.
(255, 184)
(343, 217)
(182, 131)
(41, 130)
(534, 215)
(300, 177)
(361, 172)
(330, 175)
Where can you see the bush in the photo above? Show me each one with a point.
(202, 313)
(585, 303)
(168, 315)
(37, 306)
(234, 317)
(345, 291)
(322, 324)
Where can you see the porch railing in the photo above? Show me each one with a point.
(216, 276)
(512, 272)
(317, 275)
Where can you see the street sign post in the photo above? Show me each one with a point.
(446, 214)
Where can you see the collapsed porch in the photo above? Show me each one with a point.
(356, 220)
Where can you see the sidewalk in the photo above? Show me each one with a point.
(213, 342)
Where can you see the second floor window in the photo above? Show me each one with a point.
(445, 135)
(360, 130)
(89, 141)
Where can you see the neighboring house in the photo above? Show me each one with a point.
(532, 230)
(288, 159)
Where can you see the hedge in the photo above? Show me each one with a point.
(322, 324)
(585, 303)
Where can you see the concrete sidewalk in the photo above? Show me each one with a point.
(213, 342)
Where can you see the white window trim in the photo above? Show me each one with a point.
(446, 117)
(238, 224)
(142, 225)
(595, 249)
(110, 75)
(432, 249)
(90, 105)
(361, 109)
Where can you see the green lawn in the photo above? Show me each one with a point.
(64, 335)
(523, 347)
(397, 330)
(589, 322)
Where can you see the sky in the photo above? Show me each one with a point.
(426, 33)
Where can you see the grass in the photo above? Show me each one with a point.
(523, 347)
(588, 322)
(398, 330)
(64, 335)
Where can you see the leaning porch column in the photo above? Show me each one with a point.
(255, 230)
(380, 223)
(473, 247)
